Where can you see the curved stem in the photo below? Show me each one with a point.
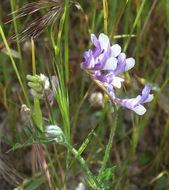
(90, 178)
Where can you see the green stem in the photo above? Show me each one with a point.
(14, 66)
(105, 9)
(109, 145)
(93, 16)
(66, 44)
(23, 72)
(134, 142)
(90, 178)
(135, 24)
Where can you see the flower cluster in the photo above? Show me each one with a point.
(40, 86)
(105, 63)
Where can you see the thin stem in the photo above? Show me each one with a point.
(23, 72)
(66, 44)
(63, 100)
(105, 9)
(14, 66)
(33, 57)
(135, 23)
(91, 179)
(134, 142)
(53, 168)
(93, 16)
(109, 145)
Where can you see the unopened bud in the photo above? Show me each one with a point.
(39, 84)
(96, 99)
(25, 109)
(36, 94)
(45, 82)
(25, 113)
(55, 133)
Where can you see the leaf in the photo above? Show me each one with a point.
(105, 176)
(38, 114)
(86, 142)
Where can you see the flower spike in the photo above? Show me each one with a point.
(104, 63)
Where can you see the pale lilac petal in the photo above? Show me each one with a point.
(110, 90)
(134, 101)
(87, 55)
(101, 60)
(130, 62)
(117, 82)
(104, 41)
(149, 99)
(89, 60)
(115, 50)
(95, 41)
(128, 103)
(140, 110)
(145, 93)
(102, 78)
(121, 58)
(132, 105)
(146, 89)
(92, 63)
(111, 64)
(106, 78)
(97, 50)
(121, 64)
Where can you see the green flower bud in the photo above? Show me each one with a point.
(36, 94)
(39, 84)
(54, 133)
(35, 86)
(33, 78)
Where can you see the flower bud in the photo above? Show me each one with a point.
(39, 84)
(25, 109)
(45, 82)
(96, 99)
(25, 113)
(54, 133)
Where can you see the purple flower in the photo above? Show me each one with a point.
(103, 57)
(123, 65)
(134, 103)
(108, 59)
(104, 63)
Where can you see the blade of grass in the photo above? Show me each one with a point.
(23, 73)
(135, 23)
(14, 66)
